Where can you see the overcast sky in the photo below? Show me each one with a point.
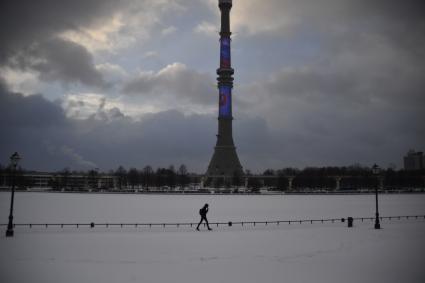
(101, 83)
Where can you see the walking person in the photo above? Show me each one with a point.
(203, 212)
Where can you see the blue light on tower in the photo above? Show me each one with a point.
(225, 101)
(225, 53)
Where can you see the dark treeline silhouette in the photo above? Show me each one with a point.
(120, 178)
(349, 177)
(354, 177)
(149, 178)
(7, 177)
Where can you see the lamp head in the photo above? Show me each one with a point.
(375, 169)
(14, 159)
(225, 3)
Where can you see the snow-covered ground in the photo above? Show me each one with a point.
(284, 253)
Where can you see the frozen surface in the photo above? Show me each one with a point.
(63, 207)
(284, 253)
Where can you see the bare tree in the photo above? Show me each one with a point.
(183, 177)
(171, 176)
(147, 176)
(64, 177)
(93, 178)
(133, 177)
(121, 173)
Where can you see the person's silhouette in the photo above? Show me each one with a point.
(203, 212)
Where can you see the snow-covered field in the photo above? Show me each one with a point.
(284, 253)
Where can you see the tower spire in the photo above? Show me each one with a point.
(224, 162)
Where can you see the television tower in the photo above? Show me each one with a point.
(224, 162)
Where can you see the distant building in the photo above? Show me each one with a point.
(45, 180)
(414, 160)
(38, 179)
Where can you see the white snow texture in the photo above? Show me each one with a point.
(285, 253)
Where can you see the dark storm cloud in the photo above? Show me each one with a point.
(330, 118)
(352, 106)
(27, 123)
(390, 10)
(360, 95)
(18, 111)
(60, 60)
(25, 22)
(48, 140)
(29, 30)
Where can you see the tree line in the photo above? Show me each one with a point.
(148, 177)
(350, 177)
(120, 178)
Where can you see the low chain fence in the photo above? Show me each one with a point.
(349, 220)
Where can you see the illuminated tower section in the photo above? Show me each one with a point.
(225, 162)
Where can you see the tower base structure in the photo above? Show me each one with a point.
(224, 168)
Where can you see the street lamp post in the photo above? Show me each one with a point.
(376, 171)
(14, 159)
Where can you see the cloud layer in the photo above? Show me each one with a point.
(132, 83)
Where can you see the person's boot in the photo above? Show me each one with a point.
(209, 228)
(197, 228)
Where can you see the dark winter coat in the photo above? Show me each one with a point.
(203, 211)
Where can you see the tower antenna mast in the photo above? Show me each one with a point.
(225, 161)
